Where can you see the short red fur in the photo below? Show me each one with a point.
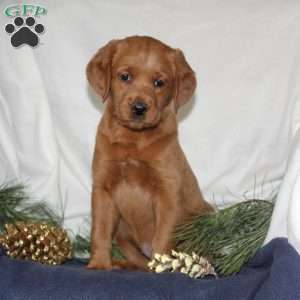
(143, 185)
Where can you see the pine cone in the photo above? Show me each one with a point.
(38, 242)
(192, 265)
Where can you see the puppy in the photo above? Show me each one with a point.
(143, 185)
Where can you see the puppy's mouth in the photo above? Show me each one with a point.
(138, 123)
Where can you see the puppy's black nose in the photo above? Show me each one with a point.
(139, 108)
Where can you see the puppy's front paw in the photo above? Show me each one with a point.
(97, 264)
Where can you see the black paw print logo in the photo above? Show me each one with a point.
(22, 34)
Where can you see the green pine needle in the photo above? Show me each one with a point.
(229, 237)
(15, 206)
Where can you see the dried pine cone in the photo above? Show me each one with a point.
(38, 242)
(192, 265)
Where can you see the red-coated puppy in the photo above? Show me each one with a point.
(143, 185)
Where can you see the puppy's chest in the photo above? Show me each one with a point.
(135, 191)
(134, 173)
(136, 180)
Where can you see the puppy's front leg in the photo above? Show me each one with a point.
(166, 213)
(105, 219)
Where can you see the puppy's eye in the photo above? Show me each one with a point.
(125, 77)
(158, 83)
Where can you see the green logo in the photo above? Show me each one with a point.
(25, 10)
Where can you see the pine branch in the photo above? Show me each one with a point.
(229, 237)
(15, 206)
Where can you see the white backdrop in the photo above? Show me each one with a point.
(239, 133)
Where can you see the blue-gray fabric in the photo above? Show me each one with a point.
(273, 274)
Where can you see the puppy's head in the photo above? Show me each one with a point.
(141, 76)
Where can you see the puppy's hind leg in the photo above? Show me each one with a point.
(135, 260)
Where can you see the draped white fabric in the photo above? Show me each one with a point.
(239, 132)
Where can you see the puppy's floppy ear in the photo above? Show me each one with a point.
(185, 80)
(98, 70)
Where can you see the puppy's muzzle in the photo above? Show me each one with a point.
(139, 108)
